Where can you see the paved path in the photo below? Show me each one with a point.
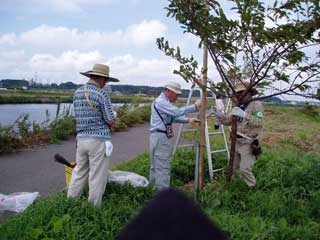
(34, 170)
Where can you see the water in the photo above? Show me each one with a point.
(9, 113)
(37, 112)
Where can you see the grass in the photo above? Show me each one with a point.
(56, 96)
(35, 96)
(285, 204)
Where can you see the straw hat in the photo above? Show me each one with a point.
(100, 70)
(173, 86)
(242, 86)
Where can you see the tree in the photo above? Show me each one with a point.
(273, 45)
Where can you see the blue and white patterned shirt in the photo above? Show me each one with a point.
(90, 124)
(169, 112)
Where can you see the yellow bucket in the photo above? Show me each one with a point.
(68, 172)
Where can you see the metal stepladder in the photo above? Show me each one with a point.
(208, 136)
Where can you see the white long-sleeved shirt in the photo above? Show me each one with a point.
(169, 112)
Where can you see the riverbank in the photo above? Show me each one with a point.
(17, 96)
(26, 133)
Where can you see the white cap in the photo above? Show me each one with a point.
(173, 86)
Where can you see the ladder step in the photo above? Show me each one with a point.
(186, 145)
(190, 130)
(215, 133)
(216, 151)
(217, 170)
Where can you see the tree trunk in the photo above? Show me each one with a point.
(203, 116)
(233, 148)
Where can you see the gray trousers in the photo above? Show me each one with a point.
(92, 166)
(160, 156)
(243, 161)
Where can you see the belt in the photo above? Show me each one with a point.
(161, 131)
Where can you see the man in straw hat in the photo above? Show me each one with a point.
(94, 117)
(163, 114)
(249, 128)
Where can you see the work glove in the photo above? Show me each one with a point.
(216, 112)
(236, 111)
(198, 103)
(194, 121)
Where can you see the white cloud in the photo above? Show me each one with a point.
(12, 61)
(49, 50)
(145, 32)
(51, 39)
(67, 62)
(71, 6)
(8, 39)
(141, 71)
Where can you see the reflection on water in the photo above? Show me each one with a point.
(37, 112)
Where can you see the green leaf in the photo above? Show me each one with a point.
(35, 233)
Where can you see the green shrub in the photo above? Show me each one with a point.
(62, 128)
(311, 111)
(119, 125)
(8, 143)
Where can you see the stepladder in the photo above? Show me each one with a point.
(215, 137)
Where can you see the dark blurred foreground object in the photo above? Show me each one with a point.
(58, 158)
(171, 215)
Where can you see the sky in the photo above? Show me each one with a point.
(52, 41)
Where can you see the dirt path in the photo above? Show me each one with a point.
(34, 170)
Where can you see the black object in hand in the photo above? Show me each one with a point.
(58, 158)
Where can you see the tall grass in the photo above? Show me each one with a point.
(284, 205)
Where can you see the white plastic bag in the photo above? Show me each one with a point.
(17, 202)
(133, 179)
(109, 148)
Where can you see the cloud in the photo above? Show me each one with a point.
(145, 32)
(67, 62)
(69, 6)
(8, 40)
(143, 71)
(57, 52)
(66, 67)
(12, 61)
(52, 39)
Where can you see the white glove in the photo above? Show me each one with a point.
(198, 103)
(216, 112)
(115, 114)
(194, 121)
(236, 111)
(109, 148)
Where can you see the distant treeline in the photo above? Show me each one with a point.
(120, 89)
(116, 88)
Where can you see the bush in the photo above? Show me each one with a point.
(62, 128)
(311, 111)
(8, 143)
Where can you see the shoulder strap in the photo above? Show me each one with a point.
(88, 100)
(164, 122)
(93, 108)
